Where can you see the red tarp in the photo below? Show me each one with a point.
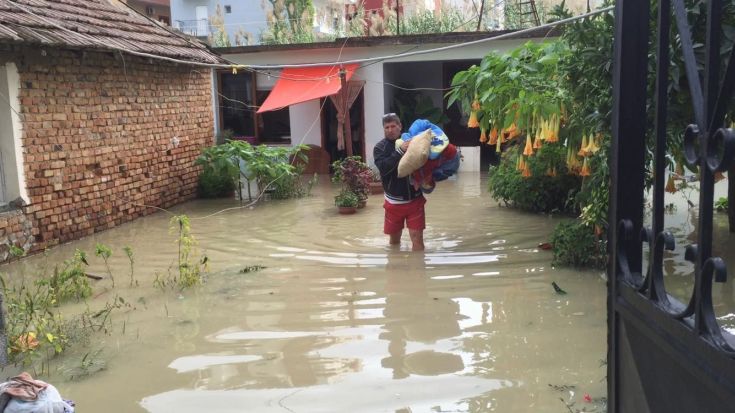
(296, 85)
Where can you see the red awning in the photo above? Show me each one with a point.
(297, 85)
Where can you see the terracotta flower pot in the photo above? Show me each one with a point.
(346, 210)
(362, 203)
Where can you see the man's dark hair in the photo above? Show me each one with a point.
(391, 117)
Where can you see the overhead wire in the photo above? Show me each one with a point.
(236, 66)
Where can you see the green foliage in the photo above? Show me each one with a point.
(346, 198)
(270, 167)
(129, 253)
(16, 252)
(34, 327)
(104, 252)
(576, 245)
(540, 192)
(448, 19)
(354, 174)
(69, 282)
(721, 204)
(190, 266)
(411, 105)
(219, 172)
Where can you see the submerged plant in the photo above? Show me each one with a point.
(129, 253)
(105, 252)
(190, 265)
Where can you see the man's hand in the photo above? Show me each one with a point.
(404, 146)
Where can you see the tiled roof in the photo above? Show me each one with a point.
(94, 24)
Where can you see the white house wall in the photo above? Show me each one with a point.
(375, 94)
(306, 127)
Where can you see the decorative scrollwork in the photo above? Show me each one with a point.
(705, 321)
(691, 140)
(721, 150)
(653, 286)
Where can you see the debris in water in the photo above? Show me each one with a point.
(251, 268)
(545, 245)
(557, 288)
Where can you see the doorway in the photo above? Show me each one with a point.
(456, 128)
(329, 129)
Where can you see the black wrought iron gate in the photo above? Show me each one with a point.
(663, 355)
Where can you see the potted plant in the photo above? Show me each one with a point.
(355, 176)
(346, 202)
(376, 184)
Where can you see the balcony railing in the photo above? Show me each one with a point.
(198, 28)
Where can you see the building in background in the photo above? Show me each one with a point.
(242, 20)
(159, 10)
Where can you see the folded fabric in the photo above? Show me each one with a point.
(23, 394)
(438, 142)
(435, 170)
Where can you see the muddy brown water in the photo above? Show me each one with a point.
(338, 321)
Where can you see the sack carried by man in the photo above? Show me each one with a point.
(417, 153)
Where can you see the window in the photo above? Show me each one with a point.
(228, 9)
(238, 101)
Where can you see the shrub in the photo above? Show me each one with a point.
(346, 198)
(576, 245)
(540, 192)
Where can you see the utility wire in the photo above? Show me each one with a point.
(232, 65)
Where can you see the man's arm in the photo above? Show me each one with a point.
(387, 156)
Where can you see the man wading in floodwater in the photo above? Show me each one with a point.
(402, 201)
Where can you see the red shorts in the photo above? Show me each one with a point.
(412, 213)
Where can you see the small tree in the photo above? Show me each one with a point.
(218, 36)
(289, 21)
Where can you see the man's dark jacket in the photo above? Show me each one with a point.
(386, 157)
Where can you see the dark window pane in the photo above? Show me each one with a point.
(235, 103)
(273, 126)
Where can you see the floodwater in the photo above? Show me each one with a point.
(338, 321)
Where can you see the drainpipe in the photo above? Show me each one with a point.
(347, 125)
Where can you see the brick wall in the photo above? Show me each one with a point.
(105, 135)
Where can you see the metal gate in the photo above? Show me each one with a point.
(664, 355)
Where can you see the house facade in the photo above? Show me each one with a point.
(91, 136)
(413, 86)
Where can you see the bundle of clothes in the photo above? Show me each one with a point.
(24, 394)
(430, 157)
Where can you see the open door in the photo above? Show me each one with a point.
(330, 125)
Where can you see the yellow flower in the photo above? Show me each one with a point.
(473, 123)
(528, 150)
(592, 145)
(583, 147)
(537, 142)
(585, 169)
(483, 137)
(493, 136)
(526, 173)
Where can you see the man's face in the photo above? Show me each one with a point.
(392, 130)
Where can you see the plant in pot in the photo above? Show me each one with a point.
(376, 184)
(346, 201)
(354, 175)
